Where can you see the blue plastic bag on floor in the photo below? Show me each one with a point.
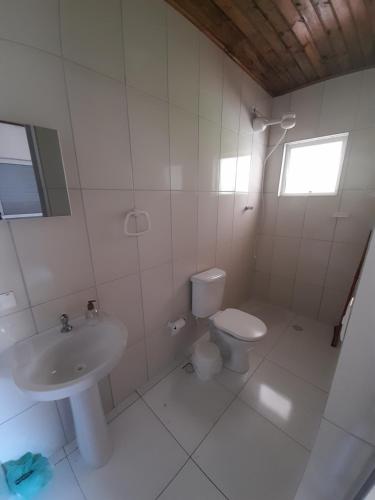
(27, 475)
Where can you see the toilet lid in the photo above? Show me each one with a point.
(239, 324)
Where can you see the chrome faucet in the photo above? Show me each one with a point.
(66, 327)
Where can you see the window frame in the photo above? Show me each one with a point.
(288, 146)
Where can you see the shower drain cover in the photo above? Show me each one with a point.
(298, 328)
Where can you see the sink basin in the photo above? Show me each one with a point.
(56, 365)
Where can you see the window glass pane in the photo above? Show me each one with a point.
(313, 167)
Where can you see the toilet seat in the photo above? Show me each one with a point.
(239, 324)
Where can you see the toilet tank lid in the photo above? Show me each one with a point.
(208, 276)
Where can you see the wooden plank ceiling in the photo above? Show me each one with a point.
(287, 44)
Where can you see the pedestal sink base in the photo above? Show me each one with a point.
(91, 427)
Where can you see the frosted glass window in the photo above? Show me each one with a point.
(313, 166)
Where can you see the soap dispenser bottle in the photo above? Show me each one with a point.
(92, 313)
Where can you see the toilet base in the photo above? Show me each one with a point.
(235, 353)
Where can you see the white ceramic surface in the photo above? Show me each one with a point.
(54, 365)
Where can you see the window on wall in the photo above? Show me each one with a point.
(313, 166)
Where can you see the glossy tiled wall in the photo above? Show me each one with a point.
(151, 115)
(306, 259)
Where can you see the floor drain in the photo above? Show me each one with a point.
(298, 328)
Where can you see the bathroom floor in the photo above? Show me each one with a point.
(237, 437)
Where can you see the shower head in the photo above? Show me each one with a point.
(286, 122)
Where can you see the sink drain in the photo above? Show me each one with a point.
(80, 368)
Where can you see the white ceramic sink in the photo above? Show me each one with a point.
(56, 365)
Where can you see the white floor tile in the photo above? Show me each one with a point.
(271, 314)
(145, 459)
(308, 353)
(63, 486)
(286, 400)
(249, 458)
(188, 406)
(191, 484)
(234, 381)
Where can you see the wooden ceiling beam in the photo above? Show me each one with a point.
(294, 34)
(348, 29)
(329, 21)
(262, 25)
(212, 21)
(287, 44)
(256, 39)
(364, 29)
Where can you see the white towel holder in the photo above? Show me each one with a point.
(136, 213)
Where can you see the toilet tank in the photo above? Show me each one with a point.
(207, 292)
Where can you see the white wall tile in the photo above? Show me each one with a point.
(307, 104)
(228, 160)
(248, 175)
(183, 62)
(114, 254)
(122, 298)
(101, 129)
(91, 35)
(281, 290)
(307, 298)
(47, 315)
(184, 224)
(272, 170)
(319, 223)
(313, 261)
(326, 477)
(285, 256)
(360, 172)
(10, 276)
(231, 94)
(183, 128)
(340, 104)
(157, 293)
(149, 134)
(130, 373)
(37, 430)
(259, 285)
(207, 229)
(54, 253)
(290, 216)
(343, 264)
(210, 80)
(15, 327)
(248, 103)
(264, 252)
(332, 305)
(225, 230)
(208, 155)
(33, 91)
(360, 206)
(32, 23)
(270, 203)
(145, 41)
(155, 246)
(366, 110)
(182, 271)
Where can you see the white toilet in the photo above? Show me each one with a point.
(233, 331)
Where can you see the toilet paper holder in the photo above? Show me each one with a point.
(176, 326)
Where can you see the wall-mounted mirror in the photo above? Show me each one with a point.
(32, 178)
